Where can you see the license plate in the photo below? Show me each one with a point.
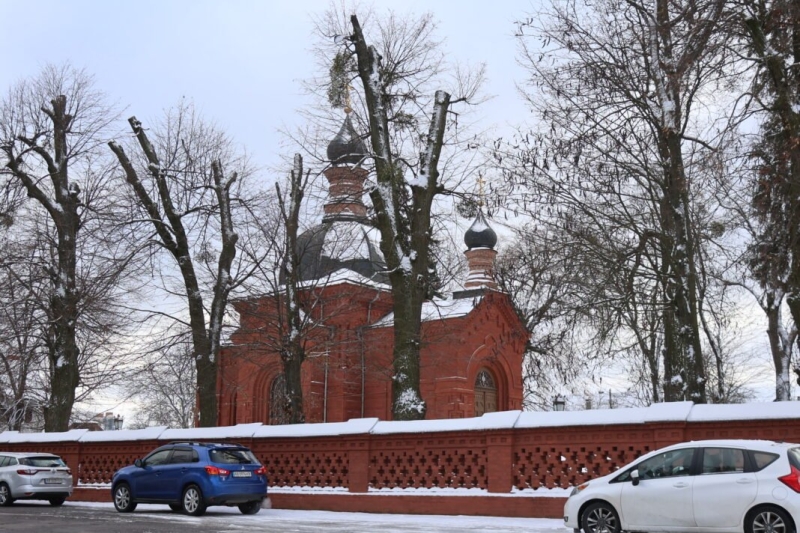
(242, 473)
(52, 481)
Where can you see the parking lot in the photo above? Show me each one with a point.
(80, 517)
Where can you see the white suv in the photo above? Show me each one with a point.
(34, 476)
(717, 486)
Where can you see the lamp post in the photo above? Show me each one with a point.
(118, 422)
(559, 403)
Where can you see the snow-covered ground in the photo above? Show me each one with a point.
(287, 520)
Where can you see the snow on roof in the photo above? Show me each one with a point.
(746, 411)
(350, 239)
(662, 412)
(355, 426)
(56, 436)
(150, 433)
(238, 431)
(5, 435)
(437, 309)
(344, 275)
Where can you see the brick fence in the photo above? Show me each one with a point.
(506, 464)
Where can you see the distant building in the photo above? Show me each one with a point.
(472, 343)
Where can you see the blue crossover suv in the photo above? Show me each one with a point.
(190, 476)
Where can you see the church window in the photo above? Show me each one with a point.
(485, 393)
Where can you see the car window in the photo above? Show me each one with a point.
(42, 462)
(794, 457)
(232, 456)
(667, 464)
(12, 461)
(3, 461)
(764, 459)
(157, 458)
(184, 455)
(722, 460)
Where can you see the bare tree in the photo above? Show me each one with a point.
(183, 192)
(404, 193)
(771, 30)
(615, 85)
(50, 130)
(164, 387)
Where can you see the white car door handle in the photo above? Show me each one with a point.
(744, 481)
(680, 484)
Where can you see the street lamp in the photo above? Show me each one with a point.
(559, 403)
(118, 422)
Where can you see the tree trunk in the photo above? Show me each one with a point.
(405, 233)
(292, 346)
(63, 308)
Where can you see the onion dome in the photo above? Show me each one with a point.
(341, 244)
(480, 234)
(346, 148)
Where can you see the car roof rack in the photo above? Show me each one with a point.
(208, 444)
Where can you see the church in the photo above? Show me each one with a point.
(472, 342)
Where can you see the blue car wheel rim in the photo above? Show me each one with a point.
(122, 497)
(191, 500)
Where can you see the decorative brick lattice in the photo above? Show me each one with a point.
(565, 466)
(99, 467)
(426, 468)
(328, 469)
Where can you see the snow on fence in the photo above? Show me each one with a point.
(510, 453)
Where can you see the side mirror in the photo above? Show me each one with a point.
(635, 476)
(138, 463)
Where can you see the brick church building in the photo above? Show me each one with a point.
(472, 342)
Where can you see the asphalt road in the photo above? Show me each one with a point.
(102, 518)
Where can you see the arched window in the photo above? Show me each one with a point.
(485, 393)
(277, 401)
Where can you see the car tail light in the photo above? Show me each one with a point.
(792, 479)
(27, 472)
(214, 471)
(262, 471)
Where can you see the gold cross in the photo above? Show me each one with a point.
(481, 181)
(347, 107)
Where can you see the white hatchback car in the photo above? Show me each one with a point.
(748, 486)
(34, 476)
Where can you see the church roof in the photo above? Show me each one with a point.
(437, 309)
(341, 244)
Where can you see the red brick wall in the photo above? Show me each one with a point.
(413, 472)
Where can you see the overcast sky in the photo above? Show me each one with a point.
(240, 61)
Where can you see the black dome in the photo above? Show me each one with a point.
(335, 245)
(347, 147)
(480, 234)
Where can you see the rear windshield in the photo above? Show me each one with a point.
(45, 462)
(235, 456)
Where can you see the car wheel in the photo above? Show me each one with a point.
(5, 495)
(250, 507)
(176, 507)
(192, 501)
(600, 517)
(55, 502)
(769, 520)
(123, 500)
